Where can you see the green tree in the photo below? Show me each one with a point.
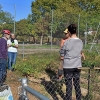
(62, 15)
(6, 20)
(65, 12)
(5, 16)
(24, 29)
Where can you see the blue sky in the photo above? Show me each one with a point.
(22, 8)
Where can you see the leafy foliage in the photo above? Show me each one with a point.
(6, 20)
(35, 64)
(64, 13)
(92, 59)
(55, 15)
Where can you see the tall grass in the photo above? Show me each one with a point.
(36, 64)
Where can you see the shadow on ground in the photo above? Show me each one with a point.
(53, 87)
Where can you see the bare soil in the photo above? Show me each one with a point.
(41, 85)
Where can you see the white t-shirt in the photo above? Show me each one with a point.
(12, 49)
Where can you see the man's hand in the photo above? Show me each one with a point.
(9, 45)
(13, 44)
(61, 58)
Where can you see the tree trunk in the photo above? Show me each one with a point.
(41, 40)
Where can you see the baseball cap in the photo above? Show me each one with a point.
(66, 31)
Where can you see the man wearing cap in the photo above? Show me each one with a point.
(3, 55)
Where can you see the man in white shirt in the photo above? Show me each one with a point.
(12, 44)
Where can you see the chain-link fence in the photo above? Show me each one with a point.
(51, 87)
(90, 84)
(88, 30)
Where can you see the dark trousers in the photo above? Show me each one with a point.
(72, 74)
(3, 63)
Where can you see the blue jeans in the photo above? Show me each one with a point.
(11, 59)
(3, 63)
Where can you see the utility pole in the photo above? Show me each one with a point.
(51, 26)
(14, 17)
(78, 24)
(86, 35)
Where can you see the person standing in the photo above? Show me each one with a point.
(12, 44)
(71, 53)
(3, 55)
(60, 68)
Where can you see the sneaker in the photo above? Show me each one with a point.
(13, 69)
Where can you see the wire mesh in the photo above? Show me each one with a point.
(52, 88)
(55, 89)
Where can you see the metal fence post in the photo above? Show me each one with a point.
(26, 89)
(88, 83)
(23, 50)
(24, 83)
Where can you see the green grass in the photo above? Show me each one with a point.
(37, 63)
(87, 47)
(44, 46)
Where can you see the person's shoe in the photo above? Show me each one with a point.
(13, 69)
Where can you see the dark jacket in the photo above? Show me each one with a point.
(3, 48)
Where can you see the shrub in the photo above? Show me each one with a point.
(35, 64)
(92, 59)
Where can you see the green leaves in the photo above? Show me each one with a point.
(36, 64)
(5, 16)
(92, 60)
